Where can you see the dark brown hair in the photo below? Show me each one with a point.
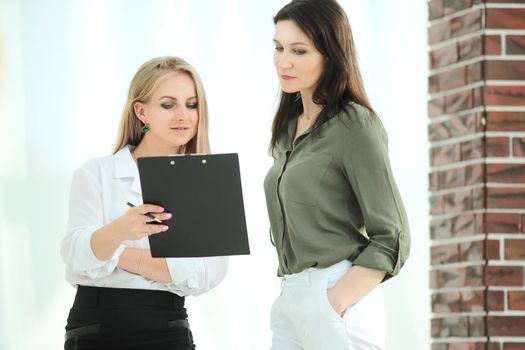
(326, 24)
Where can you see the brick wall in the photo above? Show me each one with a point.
(477, 177)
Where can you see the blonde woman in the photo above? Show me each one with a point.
(125, 298)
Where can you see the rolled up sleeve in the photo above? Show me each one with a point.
(85, 217)
(194, 276)
(367, 167)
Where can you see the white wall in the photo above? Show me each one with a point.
(64, 71)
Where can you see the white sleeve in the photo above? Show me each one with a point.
(194, 276)
(86, 215)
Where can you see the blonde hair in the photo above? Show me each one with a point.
(145, 81)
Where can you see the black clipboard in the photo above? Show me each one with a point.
(204, 194)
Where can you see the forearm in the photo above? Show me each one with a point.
(139, 261)
(354, 285)
(105, 242)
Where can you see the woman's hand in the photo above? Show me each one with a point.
(338, 301)
(353, 286)
(133, 224)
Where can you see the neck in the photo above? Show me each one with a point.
(310, 109)
(146, 148)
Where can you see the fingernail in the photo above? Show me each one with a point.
(167, 216)
(161, 209)
(164, 228)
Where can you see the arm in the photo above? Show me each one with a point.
(139, 261)
(367, 167)
(91, 248)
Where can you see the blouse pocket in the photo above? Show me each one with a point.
(301, 182)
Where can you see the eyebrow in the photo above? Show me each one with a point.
(295, 43)
(173, 98)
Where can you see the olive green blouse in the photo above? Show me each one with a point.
(333, 197)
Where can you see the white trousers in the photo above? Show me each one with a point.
(302, 317)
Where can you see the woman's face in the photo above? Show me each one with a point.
(299, 64)
(172, 112)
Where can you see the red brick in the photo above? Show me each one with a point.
(492, 249)
(472, 149)
(523, 224)
(463, 100)
(493, 346)
(439, 346)
(472, 251)
(505, 121)
(456, 126)
(495, 300)
(473, 301)
(492, 45)
(450, 327)
(474, 276)
(506, 173)
(518, 146)
(516, 44)
(463, 225)
(470, 48)
(505, 18)
(437, 205)
(505, 95)
(474, 72)
(506, 197)
(516, 300)
(504, 70)
(457, 202)
(497, 146)
(445, 154)
(515, 249)
(505, 326)
(450, 278)
(502, 223)
(442, 254)
(444, 56)
(466, 346)
(453, 6)
(504, 276)
(440, 229)
(453, 178)
(433, 181)
(451, 79)
(514, 346)
(446, 302)
(476, 327)
(433, 279)
(475, 174)
(436, 106)
(435, 9)
(478, 198)
(467, 23)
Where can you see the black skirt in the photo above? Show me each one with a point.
(116, 318)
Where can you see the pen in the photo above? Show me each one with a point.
(149, 215)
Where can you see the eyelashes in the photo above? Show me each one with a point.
(298, 52)
(168, 106)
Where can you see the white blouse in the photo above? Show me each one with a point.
(99, 191)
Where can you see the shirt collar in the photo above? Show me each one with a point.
(125, 167)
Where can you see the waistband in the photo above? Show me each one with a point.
(122, 297)
(314, 274)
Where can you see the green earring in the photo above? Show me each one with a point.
(145, 128)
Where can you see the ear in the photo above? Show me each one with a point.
(138, 108)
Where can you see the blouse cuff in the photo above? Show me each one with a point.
(87, 263)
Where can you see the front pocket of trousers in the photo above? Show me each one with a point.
(325, 302)
(82, 331)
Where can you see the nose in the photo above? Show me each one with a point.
(182, 114)
(282, 61)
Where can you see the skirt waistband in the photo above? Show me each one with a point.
(122, 297)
